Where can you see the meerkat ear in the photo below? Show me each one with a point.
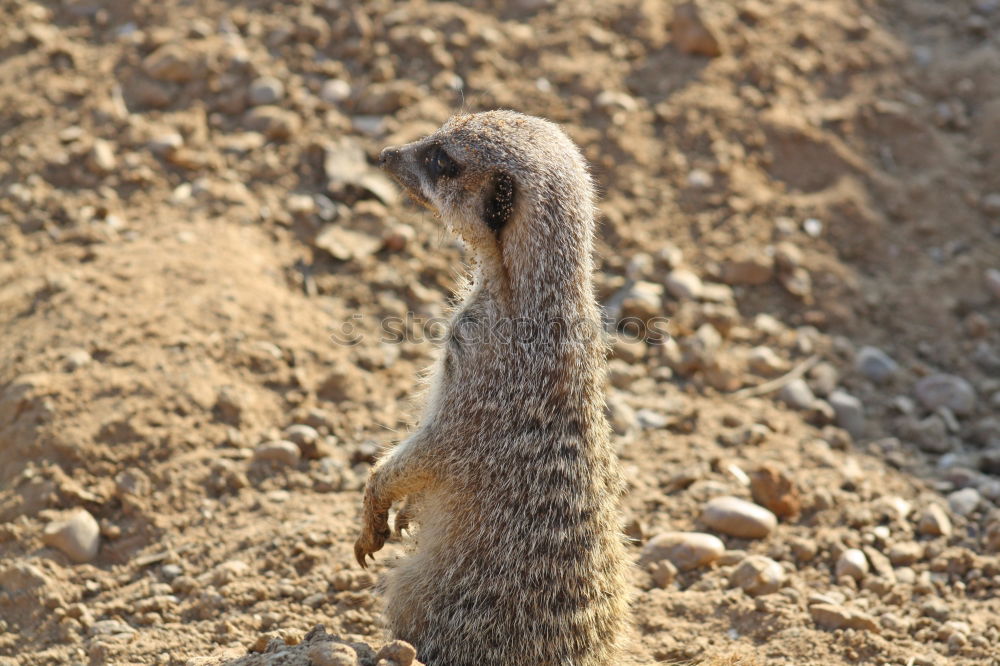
(498, 202)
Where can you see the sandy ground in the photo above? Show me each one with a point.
(190, 225)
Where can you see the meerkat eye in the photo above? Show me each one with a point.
(438, 163)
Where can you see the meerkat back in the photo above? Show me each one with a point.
(518, 557)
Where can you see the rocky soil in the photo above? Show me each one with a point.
(214, 312)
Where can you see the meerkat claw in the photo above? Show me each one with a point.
(359, 555)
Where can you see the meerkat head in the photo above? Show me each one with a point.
(508, 184)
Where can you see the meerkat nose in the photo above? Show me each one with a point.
(388, 156)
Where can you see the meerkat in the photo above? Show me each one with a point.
(510, 475)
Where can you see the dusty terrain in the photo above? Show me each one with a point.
(198, 261)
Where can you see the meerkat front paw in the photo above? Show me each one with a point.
(372, 538)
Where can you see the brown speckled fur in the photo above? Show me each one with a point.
(519, 559)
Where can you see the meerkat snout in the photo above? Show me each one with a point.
(388, 155)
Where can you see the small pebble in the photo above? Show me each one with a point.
(812, 227)
(685, 550)
(76, 359)
(963, 502)
(700, 178)
(335, 91)
(663, 573)
(102, 157)
(694, 33)
(992, 277)
(332, 654)
(739, 518)
(171, 571)
(774, 490)
(832, 616)
(850, 412)
(757, 575)
(944, 390)
(905, 553)
(266, 90)
(875, 364)
(748, 269)
(165, 142)
(852, 563)
(306, 438)
(934, 522)
(683, 284)
(282, 452)
(78, 536)
(764, 361)
(823, 379)
(797, 394)
(400, 653)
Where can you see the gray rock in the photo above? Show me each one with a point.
(875, 364)
(758, 575)
(78, 536)
(852, 562)
(930, 434)
(992, 278)
(964, 502)
(685, 550)
(990, 489)
(942, 390)
(265, 90)
(739, 518)
(280, 451)
(850, 412)
(797, 394)
(110, 628)
(683, 284)
(335, 91)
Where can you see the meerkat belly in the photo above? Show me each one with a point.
(510, 575)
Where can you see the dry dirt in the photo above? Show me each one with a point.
(189, 223)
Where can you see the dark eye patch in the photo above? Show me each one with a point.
(498, 203)
(438, 163)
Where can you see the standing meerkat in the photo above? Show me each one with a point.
(519, 559)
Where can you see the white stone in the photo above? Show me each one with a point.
(739, 518)
(853, 563)
(685, 550)
(78, 536)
